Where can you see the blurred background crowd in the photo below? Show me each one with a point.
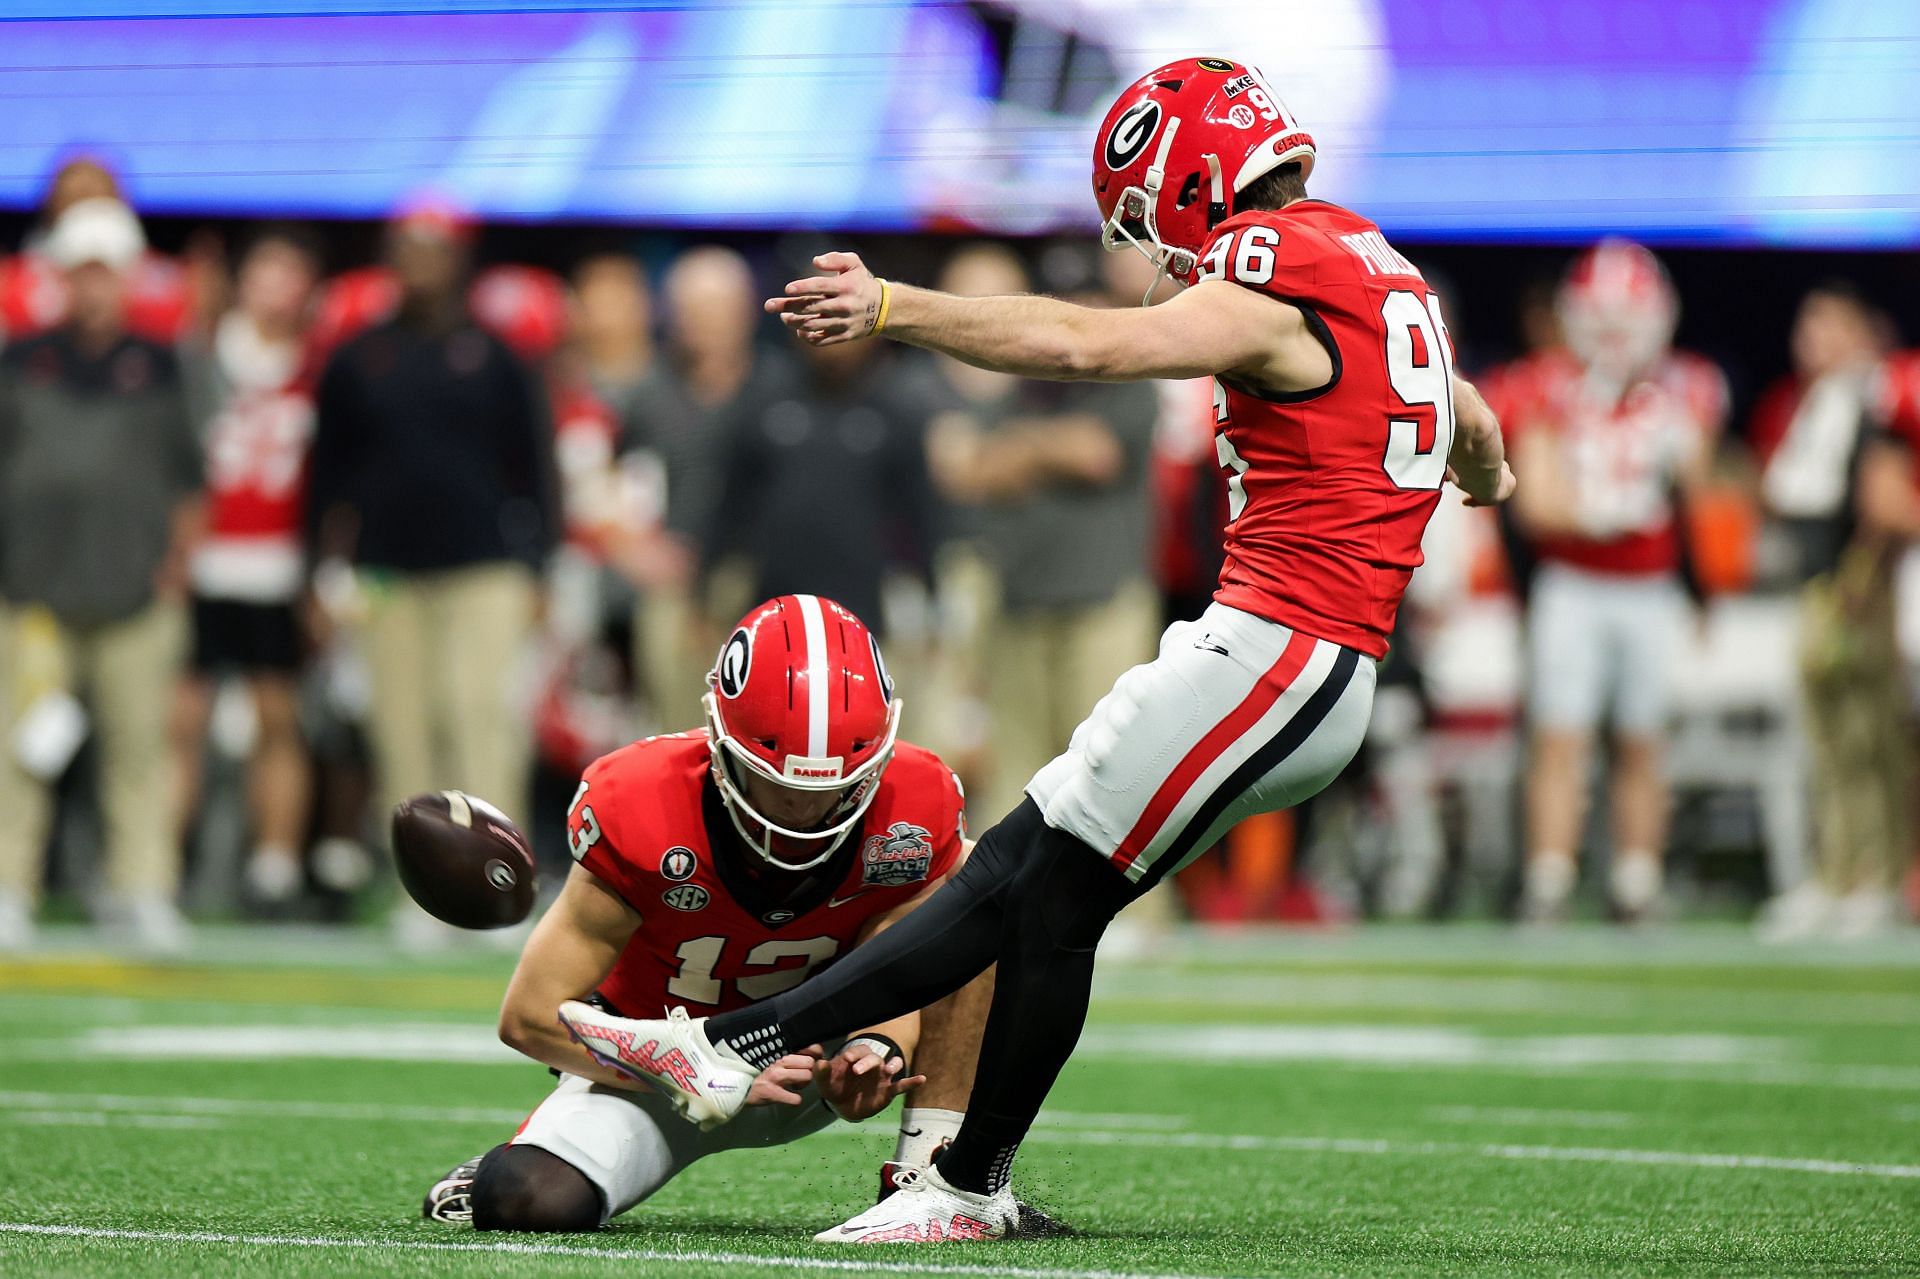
(296, 521)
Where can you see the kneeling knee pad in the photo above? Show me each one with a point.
(527, 1188)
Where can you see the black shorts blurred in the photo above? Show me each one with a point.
(236, 637)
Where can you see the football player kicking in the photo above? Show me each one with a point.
(716, 868)
(1338, 420)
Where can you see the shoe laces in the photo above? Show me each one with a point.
(910, 1179)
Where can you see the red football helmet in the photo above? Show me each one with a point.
(1174, 148)
(1617, 308)
(800, 699)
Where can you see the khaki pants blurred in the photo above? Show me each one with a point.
(1046, 669)
(1857, 726)
(444, 651)
(125, 671)
(670, 658)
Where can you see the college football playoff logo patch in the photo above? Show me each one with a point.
(687, 897)
(678, 863)
(1131, 133)
(736, 659)
(904, 855)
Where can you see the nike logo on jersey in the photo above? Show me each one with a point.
(1212, 645)
(841, 901)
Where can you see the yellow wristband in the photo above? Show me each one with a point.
(886, 301)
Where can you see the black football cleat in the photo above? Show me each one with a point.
(451, 1199)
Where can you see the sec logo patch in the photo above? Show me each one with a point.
(678, 863)
(687, 897)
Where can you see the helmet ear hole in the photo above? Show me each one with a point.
(1189, 191)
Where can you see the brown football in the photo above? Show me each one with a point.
(463, 860)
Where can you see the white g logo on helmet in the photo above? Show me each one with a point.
(736, 659)
(1131, 134)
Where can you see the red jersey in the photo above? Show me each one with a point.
(1329, 491)
(1897, 404)
(1623, 452)
(714, 934)
(256, 462)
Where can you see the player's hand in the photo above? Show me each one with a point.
(858, 1083)
(780, 1083)
(1503, 487)
(841, 305)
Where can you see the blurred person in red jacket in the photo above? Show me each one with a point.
(160, 295)
(1604, 434)
(256, 416)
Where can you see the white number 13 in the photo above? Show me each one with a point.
(1419, 385)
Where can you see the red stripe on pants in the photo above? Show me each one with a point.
(1266, 691)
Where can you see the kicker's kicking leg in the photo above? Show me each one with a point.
(948, 1054)
(919, 961)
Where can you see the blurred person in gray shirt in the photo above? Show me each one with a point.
(679, 417)
(1059, 479)
(100, 478)
(825, 488)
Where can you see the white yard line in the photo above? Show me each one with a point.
(1720, 1059)
(117, 1108)
(1452, 1150)
(242, 1107)
(94, 1119)
(1528, 1115)
(617, 1255)
(102, 1106)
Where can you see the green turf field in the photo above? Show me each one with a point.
(1396, 1102)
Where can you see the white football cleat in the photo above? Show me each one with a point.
(670, 1054)
(926, 1209)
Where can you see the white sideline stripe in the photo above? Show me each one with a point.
(1518, 1115)
(814, 624)
(1058, 1133)
(94, 1119)
(104, 1105)
(1711, 1058)
(862, 1266)
(1564, 1154)
(246, 1107)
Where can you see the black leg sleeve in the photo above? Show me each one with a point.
(1059, 909)
(951, 939)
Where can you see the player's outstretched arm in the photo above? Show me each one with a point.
(1478, 461)
(1212, 328)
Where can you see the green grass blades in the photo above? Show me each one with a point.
(1396, 1102)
